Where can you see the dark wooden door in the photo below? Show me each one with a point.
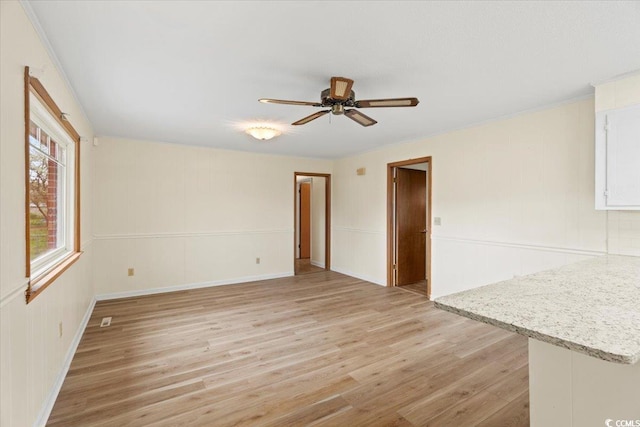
(411, 222)
(305, 220)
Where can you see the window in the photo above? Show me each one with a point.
(52, 198)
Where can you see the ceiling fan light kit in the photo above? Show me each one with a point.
(339, 96)
(263, 133)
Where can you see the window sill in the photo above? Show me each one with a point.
(40, 283)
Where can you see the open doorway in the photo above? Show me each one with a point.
(409, 225)
(312, 213)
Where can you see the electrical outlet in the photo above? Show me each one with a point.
(257, 260)
(130, 272)
(60, 329)
(106, 321)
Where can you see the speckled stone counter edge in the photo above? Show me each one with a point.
(593, 352)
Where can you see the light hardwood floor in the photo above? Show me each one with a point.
(418, 287)
(304, 266)
(318, 349)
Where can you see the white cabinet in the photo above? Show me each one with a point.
(618, 159)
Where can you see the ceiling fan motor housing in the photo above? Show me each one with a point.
(337, 105)
(339, 99)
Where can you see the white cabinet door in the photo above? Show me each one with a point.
(618, 159)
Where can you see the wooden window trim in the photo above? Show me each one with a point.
(40, 283)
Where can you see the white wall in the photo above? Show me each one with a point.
(623, 226)
(515, 196)
(318, 218)
(183, 215)
(32, 354)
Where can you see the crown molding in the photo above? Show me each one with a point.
(26, 6)
(616, 78)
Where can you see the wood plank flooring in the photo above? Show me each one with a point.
(320, 349)
(304, 266)
(418, 287)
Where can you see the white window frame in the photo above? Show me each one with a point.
(41, 116)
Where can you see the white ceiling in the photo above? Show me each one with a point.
(191, 72)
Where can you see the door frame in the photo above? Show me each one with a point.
(327, 214)
(299, 186)
(390, 224)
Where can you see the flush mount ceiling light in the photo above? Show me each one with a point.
(263, 133)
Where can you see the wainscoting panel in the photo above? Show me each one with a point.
(169, 260)
(460, 264)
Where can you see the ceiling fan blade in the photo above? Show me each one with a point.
(391, 102)
(340, 88)
(357, 116)
(284, 101)
(309, 118)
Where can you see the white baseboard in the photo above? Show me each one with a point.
(358, 276)
(45, 411)
(317, 263)
(175, 288)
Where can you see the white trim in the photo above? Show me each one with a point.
(12, 294)
(184, 287)
(521, 246)
(47, 406)
(65, 196)
(358, 276)
(616, 78)
(84, 245)
(28, 10)
(42, 117)
(357, 230)
(44, 263)
(317, 263)
(187, 234)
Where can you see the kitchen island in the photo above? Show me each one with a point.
(583, 324)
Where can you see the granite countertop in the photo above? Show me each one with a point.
(592, 307)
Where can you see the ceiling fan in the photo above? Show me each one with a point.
(340, 99)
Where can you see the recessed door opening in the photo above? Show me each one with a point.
(408, 225)
(312, 222)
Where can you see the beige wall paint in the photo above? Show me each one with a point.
(185, 215)
(623, 226)
(618, 93)
(31, 352)
(515, 196)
